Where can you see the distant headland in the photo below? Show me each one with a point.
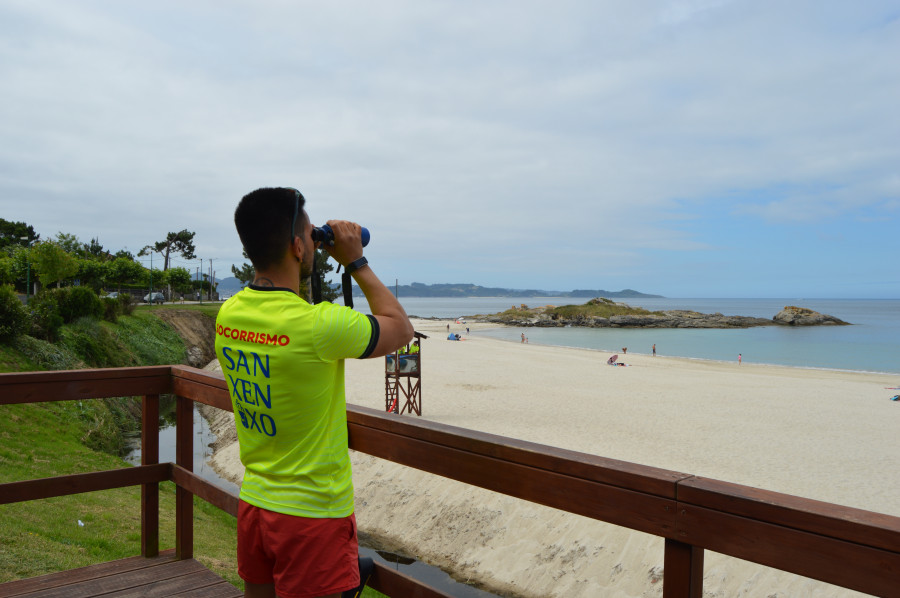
(418, 289)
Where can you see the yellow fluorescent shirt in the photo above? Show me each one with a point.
(283, 361)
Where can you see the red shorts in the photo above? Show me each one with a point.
(303, 557)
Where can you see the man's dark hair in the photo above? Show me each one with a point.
(263, 221)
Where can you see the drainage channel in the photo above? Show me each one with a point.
(427, 574)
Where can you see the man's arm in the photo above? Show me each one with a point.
(396, 329)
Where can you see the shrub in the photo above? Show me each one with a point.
(127, 304)
(45, 318)
(48, 356)
(13, 315)
(95, 344)
(111, 309)
(78, 302)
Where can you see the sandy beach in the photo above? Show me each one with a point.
(826, 435)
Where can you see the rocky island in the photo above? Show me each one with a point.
(606, 313)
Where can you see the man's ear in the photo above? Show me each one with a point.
(296, 249)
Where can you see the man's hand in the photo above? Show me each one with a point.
(396, 329)
(347, 241)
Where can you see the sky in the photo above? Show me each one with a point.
(696, 148)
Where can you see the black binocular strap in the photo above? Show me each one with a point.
(347, 286)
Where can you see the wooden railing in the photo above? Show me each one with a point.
(848, 547)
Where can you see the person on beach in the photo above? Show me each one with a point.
(654, 349)
(740, 358)
(283, 360)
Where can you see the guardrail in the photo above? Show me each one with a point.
(852, 548)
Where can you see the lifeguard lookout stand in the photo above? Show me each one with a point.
(402, 379)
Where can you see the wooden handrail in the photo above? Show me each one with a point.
(78, 483)
(72, 385)
(852, 548)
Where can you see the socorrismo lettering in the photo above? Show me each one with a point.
(260, 338)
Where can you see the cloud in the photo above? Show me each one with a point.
(515, 135)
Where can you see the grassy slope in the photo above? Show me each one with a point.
(42, 536)
(50, 439)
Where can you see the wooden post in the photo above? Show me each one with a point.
(184, 500)
(150, 492)
(683, 566)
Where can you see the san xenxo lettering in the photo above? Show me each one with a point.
(248, 376)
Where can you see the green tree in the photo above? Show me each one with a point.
(179, 279)
(93, 274)
(330, 291)
(70, 243)
(18, 266)
(181, 242)
(201, 285)
(245, 274)
(11, 234)
(51, 263)
(158, 279)
(94, 251)
(123, 270)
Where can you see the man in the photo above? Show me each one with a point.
(283, 361)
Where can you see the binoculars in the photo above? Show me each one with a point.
(323, 234)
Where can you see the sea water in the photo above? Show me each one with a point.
(871, 343)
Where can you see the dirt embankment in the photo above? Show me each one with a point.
(198, 331)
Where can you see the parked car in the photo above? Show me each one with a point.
(113, 295)
(154, 298)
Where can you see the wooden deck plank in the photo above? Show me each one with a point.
(185, 575)
(221, 590)
(136, 577)
(170, 587)
(119, 581)
(52, 580)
